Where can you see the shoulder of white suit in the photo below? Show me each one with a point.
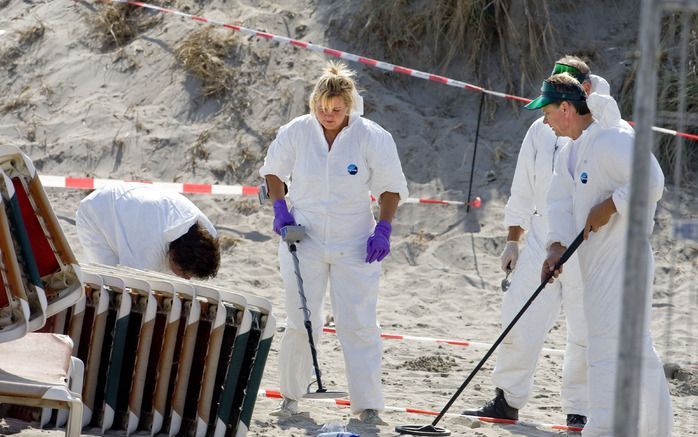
(300, 121)
(371, 126)
(608, 136)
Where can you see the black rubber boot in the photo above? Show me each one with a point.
(497, 408)
(576, 420)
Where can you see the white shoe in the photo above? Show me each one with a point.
(371, 417)
(287, 408)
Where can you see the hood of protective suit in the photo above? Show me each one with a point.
(603, 107)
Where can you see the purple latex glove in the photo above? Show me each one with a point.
(281, 216)
(378, 244)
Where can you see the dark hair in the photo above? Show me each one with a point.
(565, 83)
(197, 253)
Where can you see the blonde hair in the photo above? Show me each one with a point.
(564, 79)
(336, 81)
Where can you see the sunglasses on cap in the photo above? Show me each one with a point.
(574, 71)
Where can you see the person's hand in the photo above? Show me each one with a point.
(554, 254)
(282, 217)
(599, 216)
(510, 255)
(378, 244)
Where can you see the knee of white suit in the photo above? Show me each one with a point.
(363, 349)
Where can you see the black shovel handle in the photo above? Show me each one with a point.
(565, 256)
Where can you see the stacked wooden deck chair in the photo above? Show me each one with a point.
(167, 355)
(39, 278)
(48, 259)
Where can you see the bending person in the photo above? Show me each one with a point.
(147, 228)
(590, 190)
(330, 159)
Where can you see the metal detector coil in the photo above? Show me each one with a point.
(422, 430)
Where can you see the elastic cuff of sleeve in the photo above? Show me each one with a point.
(619, 202)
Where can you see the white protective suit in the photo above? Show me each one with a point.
(518, 355)
(602, 168)
(329, 191)
(133, 225)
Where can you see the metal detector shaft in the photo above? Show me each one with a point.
(565, 256)
(306, 315)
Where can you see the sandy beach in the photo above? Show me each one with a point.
(80, 107)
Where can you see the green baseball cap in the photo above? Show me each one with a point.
(574, 71)
(548, 95)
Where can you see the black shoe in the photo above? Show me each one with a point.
(576, 420)
(497, 408)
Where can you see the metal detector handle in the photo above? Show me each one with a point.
(292, 234)
(263, 193)
(570, 250)
(565, 256)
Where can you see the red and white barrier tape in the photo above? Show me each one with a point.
(195, 188)
(453, 342)
(93, 183)
(361, 59)
(275, 394)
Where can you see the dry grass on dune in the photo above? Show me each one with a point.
(19, 42)
(115, 25)
(203, 55)
(12, 50)
(449, 28)
(668, 98)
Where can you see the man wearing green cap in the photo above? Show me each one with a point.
(527, 229)
(590, 190)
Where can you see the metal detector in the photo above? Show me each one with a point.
(292, 235)
(432, 429)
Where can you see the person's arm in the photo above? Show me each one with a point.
(598, 216)
(378, 243)
(387, 179)
(559, 209)
(521, 204)
(515, 233)
(280, 159)
(276, 187)
(555, 252)
(388, 203)
(277, 169)
(386, 170)
(559, 202)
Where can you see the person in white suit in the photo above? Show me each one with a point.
(590, 190)
(330, 160)
(527, 223)
(147, 228)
